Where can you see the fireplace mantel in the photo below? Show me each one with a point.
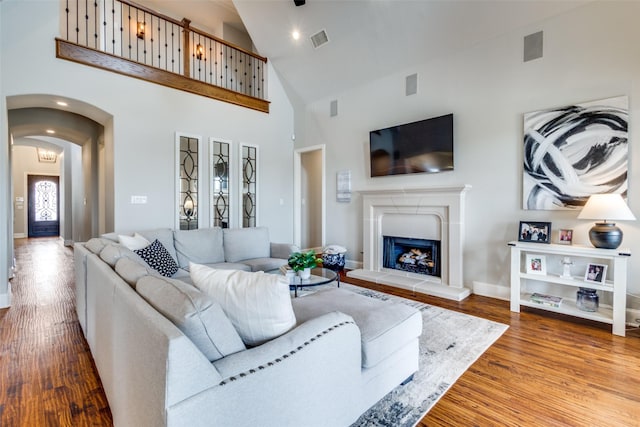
(443, 208)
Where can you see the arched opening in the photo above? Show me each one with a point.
(80, 136)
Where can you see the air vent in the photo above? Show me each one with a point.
(320, 38)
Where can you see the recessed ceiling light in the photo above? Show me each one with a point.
(51, 131)
(62, 103)
(295, 34)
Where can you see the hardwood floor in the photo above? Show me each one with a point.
(46, 371)
(546, 370)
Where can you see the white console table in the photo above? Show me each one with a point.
(616, 259)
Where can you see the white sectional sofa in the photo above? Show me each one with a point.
(168, 355)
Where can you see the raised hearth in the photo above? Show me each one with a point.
(434, 213)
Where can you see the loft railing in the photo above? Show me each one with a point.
(131, 39)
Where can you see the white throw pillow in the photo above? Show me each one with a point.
(134, 242)
(258, 304)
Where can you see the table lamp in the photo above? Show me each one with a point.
(606, 207)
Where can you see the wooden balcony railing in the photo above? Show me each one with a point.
(130, 39)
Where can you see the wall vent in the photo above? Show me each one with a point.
(319, 39)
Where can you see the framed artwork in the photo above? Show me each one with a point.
(573, 152)
(596, 273)
(565, 236)
(536, 232)
(536, 264)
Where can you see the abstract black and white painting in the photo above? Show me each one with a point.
(573, 152)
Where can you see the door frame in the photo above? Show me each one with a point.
(27, 201)
(297, 192)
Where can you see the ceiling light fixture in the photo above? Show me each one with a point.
(46, 156)
(299, 2)
(295, 34)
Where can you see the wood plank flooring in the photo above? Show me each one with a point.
(546, 370)
(47, 375)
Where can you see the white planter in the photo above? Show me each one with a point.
(305, 274)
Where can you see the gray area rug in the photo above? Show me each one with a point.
(449, 344)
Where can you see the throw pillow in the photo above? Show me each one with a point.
(133, 242)
(198, 317)
(158, 258)
(258, 304)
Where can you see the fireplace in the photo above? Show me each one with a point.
(431, 213)
(419, 256)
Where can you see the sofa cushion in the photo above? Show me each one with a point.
(97, 244)
(385, 326)
(158, 258)
(202, 246)
(194, 313)
(132, 270)
(258, 304)
(246, 243)
(112, 252)
(133, 242)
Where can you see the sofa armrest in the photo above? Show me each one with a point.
(281, 348)
(283, 250)
(318, 361)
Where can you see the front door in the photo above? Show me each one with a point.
(43, 206)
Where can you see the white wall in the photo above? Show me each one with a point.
(6, 215)
(589, 54)
(145, 119)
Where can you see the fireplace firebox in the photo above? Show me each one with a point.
(421, 256)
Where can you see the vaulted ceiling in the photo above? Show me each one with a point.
(369, 39)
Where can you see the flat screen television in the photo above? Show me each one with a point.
(425, 146)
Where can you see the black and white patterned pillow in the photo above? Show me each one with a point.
(158, 258)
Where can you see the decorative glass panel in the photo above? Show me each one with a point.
(220, 183)
(46, 201)
(249, 185)
(188, 173)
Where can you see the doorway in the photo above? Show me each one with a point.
(43, 215)
(309, 197)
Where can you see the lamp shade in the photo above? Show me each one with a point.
(606, 207)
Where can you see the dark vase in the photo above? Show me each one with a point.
(587, 299)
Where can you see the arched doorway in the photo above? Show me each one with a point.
(82, 135)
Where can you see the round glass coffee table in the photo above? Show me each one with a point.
(319, 276)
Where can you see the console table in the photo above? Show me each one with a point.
(616, 259)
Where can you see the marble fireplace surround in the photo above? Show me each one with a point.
(432, 212)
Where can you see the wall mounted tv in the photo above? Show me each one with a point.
(425, 146)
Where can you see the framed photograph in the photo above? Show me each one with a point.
(596, 273)
(536, 264)
(565, 236)
(536, 232)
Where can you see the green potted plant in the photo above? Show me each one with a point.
(303, 262)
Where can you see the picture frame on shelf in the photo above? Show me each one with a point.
(536, 264)
(534, 232)
(596, 273)
(565, 236)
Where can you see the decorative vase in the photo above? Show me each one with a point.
(305, 274)
(587, 299)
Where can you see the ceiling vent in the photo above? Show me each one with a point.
(320, 38)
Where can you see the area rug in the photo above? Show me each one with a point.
(449, 344)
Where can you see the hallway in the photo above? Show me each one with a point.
(47, 374)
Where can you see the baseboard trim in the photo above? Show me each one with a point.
(5, 299)
(491, 290)
(19, 235)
